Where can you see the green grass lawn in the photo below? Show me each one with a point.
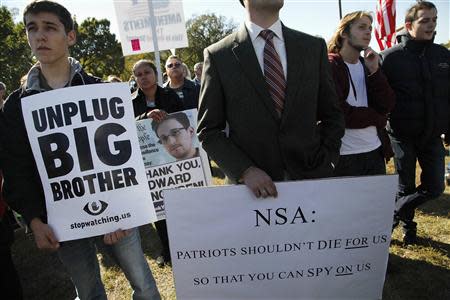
(418, 272)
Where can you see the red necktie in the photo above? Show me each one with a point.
(273, 71)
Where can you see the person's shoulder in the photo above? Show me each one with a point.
(441, 49)
(13, 99)
(90, 79)
(12, 102)
(82, 78)
(335, 59)
(166, 90)
(302, 37)
(394, 50)
(224, 44)
(135, 96)
(189, 83)
(168, 100)
(168, 93)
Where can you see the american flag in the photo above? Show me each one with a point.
(385, 25)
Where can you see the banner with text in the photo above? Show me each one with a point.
(172, 155)
(85, 144)
(319, 239)
(133, 19)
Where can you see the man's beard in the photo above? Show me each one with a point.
(359, 48)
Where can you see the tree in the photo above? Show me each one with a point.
(447, 45)
(97, 48)
(202, 31)
(15, 57)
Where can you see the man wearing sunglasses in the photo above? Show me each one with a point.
(175, 133)
(186, 89)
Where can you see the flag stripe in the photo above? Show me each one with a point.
(385, 23)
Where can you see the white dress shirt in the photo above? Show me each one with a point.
(259, 43)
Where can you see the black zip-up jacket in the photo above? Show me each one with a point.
(191, 92)
(165, 99)
(22, 186)
(418, 72)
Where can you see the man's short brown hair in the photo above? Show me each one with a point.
(411, 13)
(52, 7)
(180, 117)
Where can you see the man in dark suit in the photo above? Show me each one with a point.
(274, 90)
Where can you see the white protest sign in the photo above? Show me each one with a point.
(133, 19)
(320, 239)
(85, 144)
(172, 155)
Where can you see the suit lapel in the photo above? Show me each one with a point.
(245, 54)
(295, 53)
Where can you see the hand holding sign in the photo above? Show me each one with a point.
(85, 145)
(259, 183)
(157, 115)
(114, 237)
(43, 235)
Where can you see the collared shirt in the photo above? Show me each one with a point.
(259, 43)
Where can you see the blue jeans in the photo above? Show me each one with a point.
(431, 160)
(80, 259)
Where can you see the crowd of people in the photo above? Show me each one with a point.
(274, 104)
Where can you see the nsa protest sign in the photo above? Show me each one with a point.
(134, 21)
(319, 239)
(86, 149)
(172, 155)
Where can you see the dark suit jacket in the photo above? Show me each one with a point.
(234, 91)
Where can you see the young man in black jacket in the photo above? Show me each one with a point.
(50, 33)
(418, 71)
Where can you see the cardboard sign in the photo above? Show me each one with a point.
(320, 239)
(86, 149)
(172, 155)
(133, 19)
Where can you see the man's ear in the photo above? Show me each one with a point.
(191, 131)
(71, 37)
(408, 26)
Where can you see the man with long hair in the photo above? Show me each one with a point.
(364, 95)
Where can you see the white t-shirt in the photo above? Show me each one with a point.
(364, 139)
